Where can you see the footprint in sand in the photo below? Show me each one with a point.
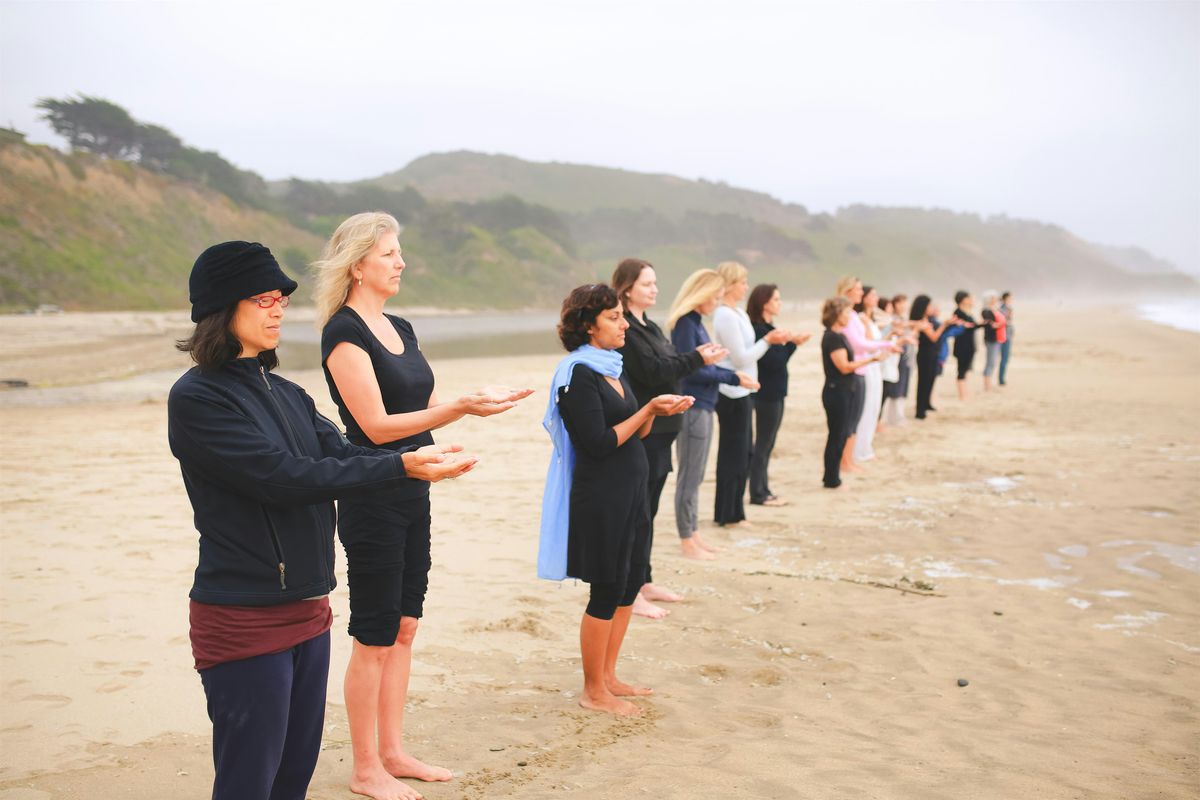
(52, 700)
(712, 673)
(766, 677)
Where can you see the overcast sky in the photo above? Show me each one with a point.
(1081, 114)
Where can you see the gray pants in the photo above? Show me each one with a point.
(692, 454)
(993, 358)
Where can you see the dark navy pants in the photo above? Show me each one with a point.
(267, 714)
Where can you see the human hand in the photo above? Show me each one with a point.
(435, 462)
(801, 338)
(778, 336)
(499, 393)
(746, 382)
(667, 405)
(492, 400)
(711, 352)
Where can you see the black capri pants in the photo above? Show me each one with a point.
(387, 564)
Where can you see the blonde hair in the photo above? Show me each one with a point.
(845, 284)
(350, 243)
(731, 272)
(700, 287)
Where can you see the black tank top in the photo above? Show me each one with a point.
(405, 381)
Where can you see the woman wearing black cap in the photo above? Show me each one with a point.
(262, 469)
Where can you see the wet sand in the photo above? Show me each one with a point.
(1042, 543)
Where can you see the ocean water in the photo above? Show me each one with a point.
(1182, 313)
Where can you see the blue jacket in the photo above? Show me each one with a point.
(687, 335)
(262, 469)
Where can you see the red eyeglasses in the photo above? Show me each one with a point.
(266, 301)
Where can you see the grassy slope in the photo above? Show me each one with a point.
(576, 188)
(897, 248)
(85, 233)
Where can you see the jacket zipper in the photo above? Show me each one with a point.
(278, 550)
(271, 525)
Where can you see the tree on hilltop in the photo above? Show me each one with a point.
(93, 124)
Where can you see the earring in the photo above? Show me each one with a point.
(360, 281)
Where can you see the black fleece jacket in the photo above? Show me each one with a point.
(262, 469)
(654, 367)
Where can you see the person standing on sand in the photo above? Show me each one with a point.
(700, 294)
(384, 390)
(868, 420)
(654, 367)
(262, 469)
(596, 486)
(762, 308)
(735, 404)
(1006, 347)
(964, 342)
(851, 288)
(839, 364)
(994, 335)
(929, 339)
(895, 391)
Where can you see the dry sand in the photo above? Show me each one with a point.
(1056, 526)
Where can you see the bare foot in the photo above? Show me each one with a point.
(621, 689)
(376, 783)
(610, 704)
(644, 608)
(403, 765)
(692, 549)
(652, 591)
(712, 548)
(853, 468)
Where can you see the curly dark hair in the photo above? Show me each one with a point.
(579, 312)
(212, 344)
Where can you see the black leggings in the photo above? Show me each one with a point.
(606, 597)
(734, 446)
(658, 456)
(837, 401)
(926, 375)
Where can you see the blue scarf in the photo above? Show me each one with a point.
(556, 501)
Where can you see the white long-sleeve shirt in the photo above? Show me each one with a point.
(733, 331)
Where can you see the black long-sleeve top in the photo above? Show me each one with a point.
(654, 367)
(773, 366)
(262, 469)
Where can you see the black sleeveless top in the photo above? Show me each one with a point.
(405, 381)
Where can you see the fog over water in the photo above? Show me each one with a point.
(1085, 115)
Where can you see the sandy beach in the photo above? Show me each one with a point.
(1042, 543)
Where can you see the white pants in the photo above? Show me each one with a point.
(863, 451)
(893, 411)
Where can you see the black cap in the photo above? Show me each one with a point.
(232, 271)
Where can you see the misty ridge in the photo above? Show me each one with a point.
(116, 222)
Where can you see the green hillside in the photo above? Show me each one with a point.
(573, 188)
(89, 233)
(682, 225)
(84, 232)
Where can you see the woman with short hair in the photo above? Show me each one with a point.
(856, 336)
(839, 364)
(595, 525)
(262, 469)
(995, 334)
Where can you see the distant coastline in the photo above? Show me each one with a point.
(1181, 313)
